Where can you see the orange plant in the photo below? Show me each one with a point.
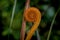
(32, 14)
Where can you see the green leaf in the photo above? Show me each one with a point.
(4, 3)
(4, 14)
(5, 32)
(58, 32)
(55, 38)
(17, 22)
(16, 34)
(43, 7)
(33, 2)
(50, 12)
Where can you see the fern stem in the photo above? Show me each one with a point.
(24, 22)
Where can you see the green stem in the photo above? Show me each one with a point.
(13, 11)
(52, 24)
(38, 36)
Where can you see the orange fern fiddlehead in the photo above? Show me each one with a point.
(32, 14)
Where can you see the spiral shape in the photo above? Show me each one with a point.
(32, 14)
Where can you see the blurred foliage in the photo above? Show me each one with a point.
(48, 9)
